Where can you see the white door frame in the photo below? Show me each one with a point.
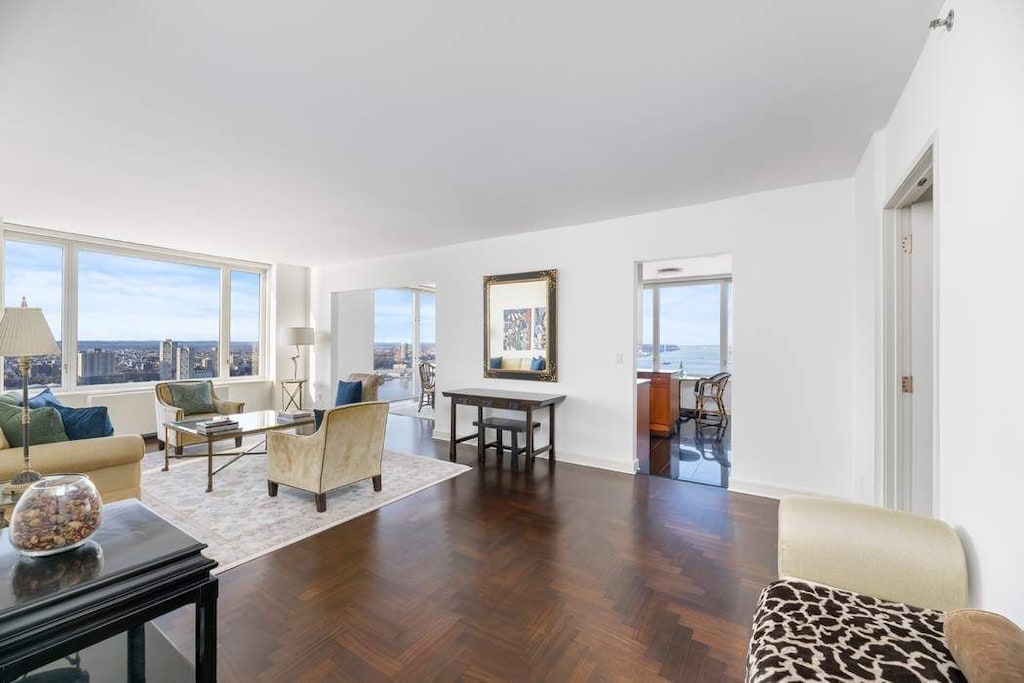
(893, 482)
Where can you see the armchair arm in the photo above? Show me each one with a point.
(168, 413)
(295, 460)
(226, 407)
(890, 555)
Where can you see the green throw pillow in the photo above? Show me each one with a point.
(193, 397)
(45, 425)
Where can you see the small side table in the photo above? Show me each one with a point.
(291, 393)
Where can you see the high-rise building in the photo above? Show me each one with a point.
(167, 359)
(184, 362)
(95, 363)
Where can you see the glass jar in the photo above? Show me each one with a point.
(57, 513)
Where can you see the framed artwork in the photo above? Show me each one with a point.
(519, 326)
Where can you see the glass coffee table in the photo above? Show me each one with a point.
(256, 422)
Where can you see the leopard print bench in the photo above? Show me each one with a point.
(809, 632)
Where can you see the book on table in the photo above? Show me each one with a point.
(294, 415)
(217, 426)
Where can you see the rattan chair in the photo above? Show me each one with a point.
(426, 385)
(711, 389)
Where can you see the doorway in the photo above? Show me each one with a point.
(909, 464)
(683, 363)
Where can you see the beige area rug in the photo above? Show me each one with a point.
(240, 522)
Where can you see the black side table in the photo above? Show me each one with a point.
(137, 567)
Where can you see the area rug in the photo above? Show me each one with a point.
(411, 409)
(240, 522)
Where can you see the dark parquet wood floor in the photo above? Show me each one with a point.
(563, 575)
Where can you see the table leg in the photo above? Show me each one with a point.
(206, 634)
(167, 447)
(209, 465)
(481, 434)
(137, 654)
(451, 435)
(551, 434)
(529, 438)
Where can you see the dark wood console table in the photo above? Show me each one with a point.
(506, 400)
(135, 568)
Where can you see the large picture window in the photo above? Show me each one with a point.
(687, 327)
(135, 316)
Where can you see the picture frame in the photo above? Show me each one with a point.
(520, 331)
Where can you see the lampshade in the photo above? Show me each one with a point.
(297, 336)
(24, 332)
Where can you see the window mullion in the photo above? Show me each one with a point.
(69, 318)
(723, 326)
(224, 343)
(656, 329)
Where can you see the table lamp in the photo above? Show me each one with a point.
(297, 337)
(24, 333)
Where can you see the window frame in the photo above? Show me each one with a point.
(73, 244)
(724, 314)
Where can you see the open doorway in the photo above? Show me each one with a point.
(909, 465)
(390, 333)
(684, 368)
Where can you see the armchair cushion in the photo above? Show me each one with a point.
(45, 425)
(193, 397)
(348, 392)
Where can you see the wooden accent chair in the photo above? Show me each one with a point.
(166, 411)
(348, 447)
(427, 371)
(711, 389)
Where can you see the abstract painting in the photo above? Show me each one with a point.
(517, 329)
(540, 329)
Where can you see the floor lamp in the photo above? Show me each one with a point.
(24, 333)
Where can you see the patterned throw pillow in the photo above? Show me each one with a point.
(45, 425)
(192, 397)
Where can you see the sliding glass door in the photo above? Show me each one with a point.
(404, 336)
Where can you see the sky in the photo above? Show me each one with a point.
(393, 319)
(124, 298)
(689, 315)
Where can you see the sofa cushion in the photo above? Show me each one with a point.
(989, 648)
(43, 399)
(85, 423)
(45, 425)
(348, 392)
(810, 632)
(192, 397)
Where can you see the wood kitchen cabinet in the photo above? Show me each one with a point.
(664, 401)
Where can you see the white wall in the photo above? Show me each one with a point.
(289, 307)
(968, 91)
(353, 332)
(793, 322)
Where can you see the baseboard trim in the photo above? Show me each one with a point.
(572, 458)
(765, 490)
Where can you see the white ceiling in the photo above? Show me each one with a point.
(319, 131)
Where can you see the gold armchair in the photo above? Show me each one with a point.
(166, 411)
(348, 447)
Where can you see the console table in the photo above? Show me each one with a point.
(135, 568)
(523, 401)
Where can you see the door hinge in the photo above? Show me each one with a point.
(907, 382)
(907, 244)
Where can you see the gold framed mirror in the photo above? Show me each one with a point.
(520, 333)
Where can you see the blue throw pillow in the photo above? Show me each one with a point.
(44, 399)
(86, 423)
(496, 363)
(348, 392)
(538, 364)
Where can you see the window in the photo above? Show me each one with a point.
(687, 327)
(35, 271)
(142, 320)
(245, 324)
(135, 315)
(393, 311)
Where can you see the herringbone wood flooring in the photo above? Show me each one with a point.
(563, 575)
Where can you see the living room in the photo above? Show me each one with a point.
(380, 157)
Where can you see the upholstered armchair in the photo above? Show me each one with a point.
(348, 447)
(192, 400)
(371, 383)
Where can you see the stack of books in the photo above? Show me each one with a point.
(216, 426)
(294, 415)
